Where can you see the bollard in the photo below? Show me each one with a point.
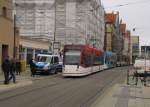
(136, 76)
(23, 65)
(127, 77)
(144, 78)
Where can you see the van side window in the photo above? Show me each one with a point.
(52, 60)
(56, 59)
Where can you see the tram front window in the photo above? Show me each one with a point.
(72, 57)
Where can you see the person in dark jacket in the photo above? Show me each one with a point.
(12, 70)
(32, 67)
(6, 69)
(18, 67)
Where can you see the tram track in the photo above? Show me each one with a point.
(64, 92)
(102, 90)
(29, 89)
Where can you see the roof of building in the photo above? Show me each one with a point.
(128, 34)
(123, 28)
(110, 17)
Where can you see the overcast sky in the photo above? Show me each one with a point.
(135, 13)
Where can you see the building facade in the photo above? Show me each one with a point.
(80, 22)
(145, 52)
(135, 47)
(63, 21)
(29, 48)
(35, 17)
(113, 37)
(109, 29)
(7, 45)
(127, 44)
(36, 22)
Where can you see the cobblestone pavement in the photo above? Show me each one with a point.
(21, 80)
(122, 95)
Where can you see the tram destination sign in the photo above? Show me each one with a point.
(73, 47)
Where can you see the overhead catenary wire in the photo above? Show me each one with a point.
(127, 4)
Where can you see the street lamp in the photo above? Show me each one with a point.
(145, 56)
(56, 44)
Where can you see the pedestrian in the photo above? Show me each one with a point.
(6, 69)
(12, 70)
(32, 67)
(18, 67)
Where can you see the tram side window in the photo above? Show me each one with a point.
(98, 60)
(87, 59)
(113, 60)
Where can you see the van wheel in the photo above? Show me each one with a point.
(54, 71)
(60, 70)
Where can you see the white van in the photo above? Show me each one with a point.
(142, 65)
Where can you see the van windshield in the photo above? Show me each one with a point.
(43, 59)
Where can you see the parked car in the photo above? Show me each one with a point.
(142, 65)
(48, 63)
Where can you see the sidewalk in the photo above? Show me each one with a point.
(21, 80)
(122, 95)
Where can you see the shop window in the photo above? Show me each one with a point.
(4, 11)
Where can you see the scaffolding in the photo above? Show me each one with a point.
(35, 17)
(63, 21)
(80, 22)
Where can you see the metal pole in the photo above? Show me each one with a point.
(145, 57)
(54, 27)
(14, 48)
(128, 77)
(144, 78)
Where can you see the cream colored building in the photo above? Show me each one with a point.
(76, 21)
(80, 22)
(135, 47)
(6, 30)
(31, 47)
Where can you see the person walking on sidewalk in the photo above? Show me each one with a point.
(6, 69)
(12, 70)
(32, 67)
(18, 67)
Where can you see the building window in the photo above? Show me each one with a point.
(4, 10)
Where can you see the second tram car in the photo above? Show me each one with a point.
(80, 60)
(110, 59)
(123, 61)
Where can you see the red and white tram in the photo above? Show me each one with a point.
(80, 60)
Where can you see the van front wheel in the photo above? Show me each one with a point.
(54, 71)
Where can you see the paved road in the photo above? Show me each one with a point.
(56, 91)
